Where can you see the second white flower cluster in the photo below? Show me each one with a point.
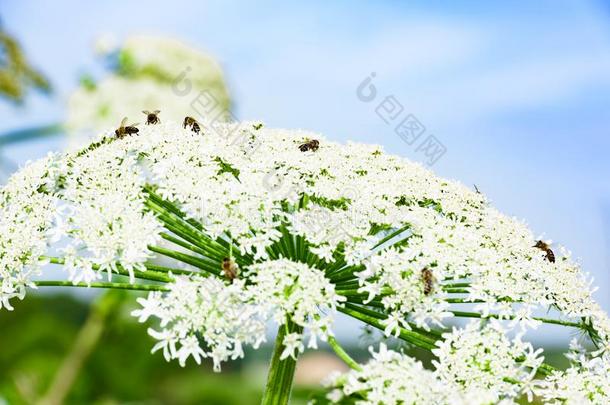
(207, 317)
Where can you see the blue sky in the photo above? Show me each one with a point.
(518, 92)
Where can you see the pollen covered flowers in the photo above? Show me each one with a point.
(233, 226)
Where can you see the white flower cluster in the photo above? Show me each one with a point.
(390, 378)
(204, 310)
(475, 366)
(587, 381)
(227, 317)
(475, 359)
(103, 215)
(151, 73)
(400, 273)
(26, 217)
(295, 291)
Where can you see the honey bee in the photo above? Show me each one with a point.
(124, 130)
(550, 256)
(229, 268)
(310, 144)
(151, 117)
(191, 122)
(428, 279)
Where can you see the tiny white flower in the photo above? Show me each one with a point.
(166, 342)
(293, 345)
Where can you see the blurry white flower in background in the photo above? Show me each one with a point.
(147, 73)
(106, 44)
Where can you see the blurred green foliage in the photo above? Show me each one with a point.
(40, 332)
(16, 73)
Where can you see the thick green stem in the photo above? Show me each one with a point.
(165, 269)
(185, 229)
(281, 372)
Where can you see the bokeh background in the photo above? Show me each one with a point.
(517, 93)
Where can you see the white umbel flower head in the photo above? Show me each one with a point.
(203, 317)
(315, 228)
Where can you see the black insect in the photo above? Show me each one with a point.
(191, 122)
(124, 130)
(152, 117)
(310, 145)
(229, 268)
(428, 279)
(550, 256)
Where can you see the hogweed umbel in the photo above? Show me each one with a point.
(333, 229)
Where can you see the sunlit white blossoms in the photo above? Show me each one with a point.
(297, 292)
(103, 214)
(587, 381)
(467, 373)
(390, 378)
(476, 359)
(205, 309)
(396, 275)
(344, 228)
(26, 221)
(230, 316)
